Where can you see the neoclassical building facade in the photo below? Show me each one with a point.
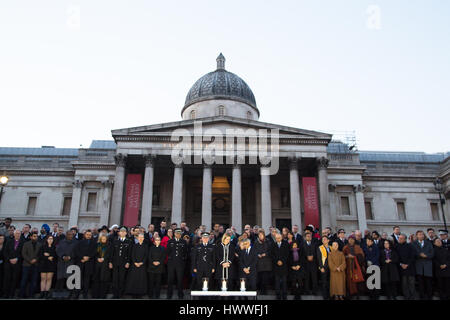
(145, 175)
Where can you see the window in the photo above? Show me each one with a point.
(368, 207)
(435, 211)
(401, 210)
(192, 114)
(221, 110)
(92, 201)
(67, 202)
(249, 115)
(345, 206)
(31, 208)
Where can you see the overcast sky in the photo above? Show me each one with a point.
(71, 71)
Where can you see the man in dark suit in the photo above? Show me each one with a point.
(297, 235)
(177, 254)
(162, 231)
(247, 264)
(341, 240)
(85, 252)
(279, 252)
(118, 257)
(203, 260)
(309, 248)
(26, 233)
(13, 264)
(443, 235)
(377, 241)
(395, 234)
(407, 259)
(424, 265)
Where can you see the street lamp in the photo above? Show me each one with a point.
(3, 182)
(439, 187)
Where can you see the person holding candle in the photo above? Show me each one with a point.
(203, 260)
(225, 256)
(247, 264)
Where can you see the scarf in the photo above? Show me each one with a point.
(324, 254)
(101, 249)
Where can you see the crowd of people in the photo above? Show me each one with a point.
(138, 262)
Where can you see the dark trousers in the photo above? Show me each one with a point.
(311, 278)
(425, 287)
(175, 272)
(281, 286)
(30, 276)
(263, 280)
(119, 276)
(99, 289)
(11, 278)
(325, 284)
(85, 282)
(444, 288)
(390, 288)
(154, 284)
(250, 281)
(409, 287)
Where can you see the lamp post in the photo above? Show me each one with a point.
(438, 186)
(3, 182)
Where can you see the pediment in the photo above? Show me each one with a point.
(219, 123)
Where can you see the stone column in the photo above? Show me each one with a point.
(177, 194)
(360, 207)
(75, 206)
(117, 197)
(266, 201)
(207, 197)
(296, 217)
(147, 196)
(322, 165)
(105, 202)
(333, 208)
(236, 199)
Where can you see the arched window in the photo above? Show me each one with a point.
(221, 110)
(249, 115)
(192, 114)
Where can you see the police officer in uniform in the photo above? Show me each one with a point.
(118, 257)
(176, 254)
(203, 258)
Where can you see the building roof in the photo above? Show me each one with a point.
(102, 144)
(388, 156)
(220, 84)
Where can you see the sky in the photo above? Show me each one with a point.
(72, 71)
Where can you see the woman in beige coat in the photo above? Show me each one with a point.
(337, 265)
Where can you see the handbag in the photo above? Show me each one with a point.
(357, 275)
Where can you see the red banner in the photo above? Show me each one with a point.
(311, 201)
(132, 200)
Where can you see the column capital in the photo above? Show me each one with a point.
(150, 160)
(178, 165)
(332, 187)
(322, 163)
(120, 160)
(78, 183)
(359, 188)
(207, 166)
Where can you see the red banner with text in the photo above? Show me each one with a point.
(132, 200)
(311, 201)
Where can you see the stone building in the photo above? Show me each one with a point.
(134, 179)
